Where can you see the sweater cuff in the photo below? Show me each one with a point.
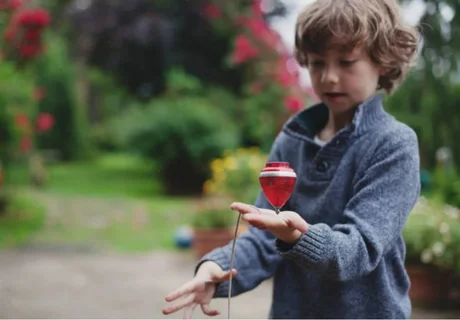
(310, 248)
(219, 257)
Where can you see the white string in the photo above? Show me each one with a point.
(231, 265)
(232, 257)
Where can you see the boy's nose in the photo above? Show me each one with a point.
(329, 75)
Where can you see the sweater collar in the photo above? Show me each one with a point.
(309, 121)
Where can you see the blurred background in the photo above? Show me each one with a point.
(128, 127)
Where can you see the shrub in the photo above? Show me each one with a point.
(236, 175)
(432, 235)
(56, 76)
(182, 135)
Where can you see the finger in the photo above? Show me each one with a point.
(263, 221)
(257, 223)
(185, 289)
(208, 311)
(224, 276)
(244, 208)
(247, 208)
(188, 312)
(174, 308)
(294, 220)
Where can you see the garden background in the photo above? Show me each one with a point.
(127, 128)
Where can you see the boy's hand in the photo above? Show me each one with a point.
(287, 226)
(198, 292)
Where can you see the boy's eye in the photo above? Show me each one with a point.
(317, 63)
(347, 63)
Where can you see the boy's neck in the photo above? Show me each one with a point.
(335, 123)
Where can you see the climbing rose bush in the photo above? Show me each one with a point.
(261, 50)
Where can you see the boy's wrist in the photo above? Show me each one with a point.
(208, 267)
(292, 237)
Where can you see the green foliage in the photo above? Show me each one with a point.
(107, 175)
(106, 100)
(15, 97)
(432, 235)
(236, 175)
(55, 72)
(21, 219)
(211, 218)
(263, 113)
(181, 135)
(446, 185)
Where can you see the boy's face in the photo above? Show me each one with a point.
(343, 80)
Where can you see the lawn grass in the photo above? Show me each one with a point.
(21, 219)
(118, 189)
(108, 175)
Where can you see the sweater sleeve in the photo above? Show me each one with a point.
(373, 218)
(256, 258)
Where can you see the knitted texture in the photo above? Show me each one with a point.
(356, 193)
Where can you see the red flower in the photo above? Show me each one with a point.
(244, 50)
(293, 104)
(32, 35)
(25, 145)
(256, 87)
(256, 8)
(45, 121)
(10, 33)
(14, 4)
(31, 18)
(22, 121)
(39, 93)
(10, 4)
(30, 50)
(212, 11)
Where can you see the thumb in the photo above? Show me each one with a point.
(223, 276)
(295, 221)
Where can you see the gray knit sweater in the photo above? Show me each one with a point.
(356, 193)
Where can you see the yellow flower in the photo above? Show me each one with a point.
(209, 187)
(220, 176)
(230, 163)
(217, 166)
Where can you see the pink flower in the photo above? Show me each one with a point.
(22, 121)
(34, 18)
(39, 93)
(25, 145)
(45, 121)
(293, 103)
(256, 7)
(244, 50)
(212, 11)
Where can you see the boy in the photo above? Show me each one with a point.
(337, 251)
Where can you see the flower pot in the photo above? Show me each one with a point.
(206, 240)
(429, 287)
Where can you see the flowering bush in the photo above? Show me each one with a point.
(272, 90)
(432, 235)
(236, 175)
(261, 49)
(22, 27)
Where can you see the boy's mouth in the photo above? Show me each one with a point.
(334, 94)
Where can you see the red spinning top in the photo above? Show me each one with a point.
(277, 180)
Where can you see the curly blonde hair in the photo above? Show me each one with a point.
(343, 24)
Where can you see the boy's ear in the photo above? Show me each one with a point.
(384, 71)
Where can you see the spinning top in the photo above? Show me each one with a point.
(277, 180)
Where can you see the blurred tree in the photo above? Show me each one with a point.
(140, 40)
(429, 98)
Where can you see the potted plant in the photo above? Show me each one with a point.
(432, 236)
(213, 227)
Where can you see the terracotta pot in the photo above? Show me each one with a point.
(430, 286)
(206, 240)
